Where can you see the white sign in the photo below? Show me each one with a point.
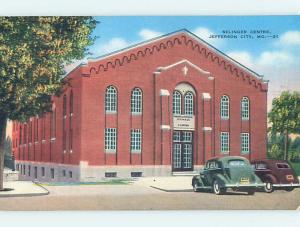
(184, 123)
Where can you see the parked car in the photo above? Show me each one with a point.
(222, 173)
(277, 174)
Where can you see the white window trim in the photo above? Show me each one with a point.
(221, 107)
(109, 149)
(248, 109)
(137, 143)
(224, 151)
(108, 105)
(248, 142)
(136, 101)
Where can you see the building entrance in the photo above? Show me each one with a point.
(182, 151)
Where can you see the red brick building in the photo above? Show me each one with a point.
(162, 106)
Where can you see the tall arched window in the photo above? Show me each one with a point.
(245, 108)
(189, 103)
(136, 101)
(111, 99)
(224, 107)
(71, 123)
(176, 102)
(64, 122)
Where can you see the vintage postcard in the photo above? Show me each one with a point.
(150, 113)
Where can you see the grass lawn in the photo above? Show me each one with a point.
(296, 167)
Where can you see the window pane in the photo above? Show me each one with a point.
(110, 139)
(225, 107)
(245, 108)
(224, 142)
(136, 101)
(189, 104)
(245, 143)
(111, 99)
(176, 102)
(136, 140)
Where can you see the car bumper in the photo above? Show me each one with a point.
(258, 185)
(287, 185)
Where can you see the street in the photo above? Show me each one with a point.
(138, 197)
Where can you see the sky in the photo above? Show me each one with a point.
(276, 57)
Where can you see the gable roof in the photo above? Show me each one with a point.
(114, 59)
(187, 32)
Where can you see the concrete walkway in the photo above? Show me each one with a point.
(168, 184)
(22, 189)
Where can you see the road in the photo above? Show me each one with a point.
(137, 197)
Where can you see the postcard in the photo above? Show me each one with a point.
(150, 113)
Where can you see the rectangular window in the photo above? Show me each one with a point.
(224, 142)
(110, 174)
(52, 173)
(136, 174)
(29, 170)
(43, 171)
(110, 139)
(70, 174)
(64, 173)
(187, 137)
(35, 172)
(136, 140)
(176, 136)
(245, 143)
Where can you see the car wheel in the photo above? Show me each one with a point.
(217, 189)
(251, 191)
(289, 189)
(269, 187)
(195, 187)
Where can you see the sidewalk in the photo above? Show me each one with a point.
(22, 189)
(167, 184)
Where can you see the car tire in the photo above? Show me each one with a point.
(217, 189)
(289, 189)
(251, 191)
(195, 188)
(269, 187)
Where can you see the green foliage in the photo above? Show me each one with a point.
(285, 113)
(33, 51)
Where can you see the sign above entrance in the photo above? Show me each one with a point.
(184, 123)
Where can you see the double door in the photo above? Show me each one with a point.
(182, 151)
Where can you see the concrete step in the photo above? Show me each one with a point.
(185, 173)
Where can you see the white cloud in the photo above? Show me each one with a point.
(112, 45)
(243, 57)
(205, 33)
(275, 58)
(149, 34)
(290, 38)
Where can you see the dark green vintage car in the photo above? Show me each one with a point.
(222, 173)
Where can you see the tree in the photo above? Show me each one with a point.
(285, 116)
(33, 51)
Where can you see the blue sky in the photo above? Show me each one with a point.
(275, 58)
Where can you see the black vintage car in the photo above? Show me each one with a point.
(277, 174)
(233, 172)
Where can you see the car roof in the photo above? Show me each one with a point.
(227, 158)
(269, 161)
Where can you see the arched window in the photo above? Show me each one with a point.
(245, 108)
(71, 123)
(64, 122)
(136, 101)
(189, 103)
(111, 99)
(176, 102)
(224, 107)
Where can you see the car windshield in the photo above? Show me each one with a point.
(282, 166)
(236, 163)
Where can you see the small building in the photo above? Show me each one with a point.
(156, 108)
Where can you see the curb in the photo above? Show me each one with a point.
(172, 190)
(27, 194)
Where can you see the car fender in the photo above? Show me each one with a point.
(221, 179)
(269, 177)
(199, 180)
(257, 179)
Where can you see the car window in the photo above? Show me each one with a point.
(212, 165)
(236, 163)
(282, 166)
(261, 166)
